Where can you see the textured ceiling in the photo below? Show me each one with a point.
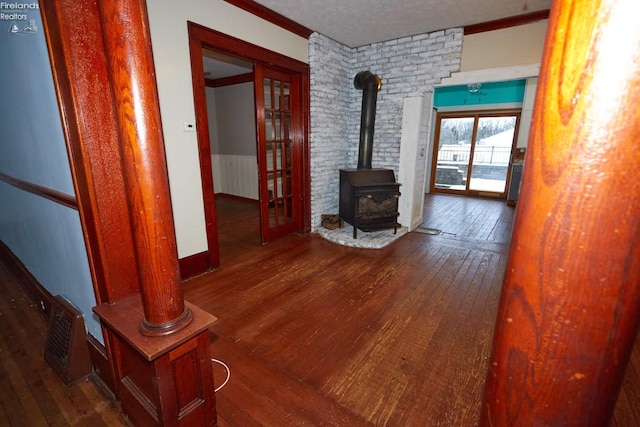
(362, 22)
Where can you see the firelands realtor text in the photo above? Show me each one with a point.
(13, 11)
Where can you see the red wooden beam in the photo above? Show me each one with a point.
(228, 81)
(271, 16)
(93, 145)
(512, 21)
(568, 313)
(132, 73)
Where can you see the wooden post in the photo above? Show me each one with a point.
(157, 344)
(568, 313)
(130, 61)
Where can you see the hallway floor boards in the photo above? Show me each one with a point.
(319, 334)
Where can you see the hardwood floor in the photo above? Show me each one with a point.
(31, 394)
(320, 334)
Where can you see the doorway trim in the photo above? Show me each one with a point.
(202, 37)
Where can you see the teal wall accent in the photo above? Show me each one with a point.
(489, 93)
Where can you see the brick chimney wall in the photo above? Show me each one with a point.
(408, 67)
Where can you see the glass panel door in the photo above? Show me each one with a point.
(279, 157)
(473, 152)
(492, 153)
(454, 152)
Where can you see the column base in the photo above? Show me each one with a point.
(162, 380)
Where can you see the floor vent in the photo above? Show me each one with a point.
(66, 346)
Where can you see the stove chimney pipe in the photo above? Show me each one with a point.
(370, 85)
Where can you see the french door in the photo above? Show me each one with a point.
(280, 133)
(473, 152)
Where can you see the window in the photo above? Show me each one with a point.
(473, 151)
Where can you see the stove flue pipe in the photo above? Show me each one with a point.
(370, 85)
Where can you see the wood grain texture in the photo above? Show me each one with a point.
(132, 75)
(568, 312)
(88, 117)
(443, 380)
(200, 38)
(31, 394)
(398, 336)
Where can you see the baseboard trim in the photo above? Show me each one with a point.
(101, 365)
(43, 298)
(194, 265)
(233, 196)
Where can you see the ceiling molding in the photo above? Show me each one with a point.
(271, 16)
(512, 21)
(229, 81)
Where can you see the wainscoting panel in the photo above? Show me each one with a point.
(235, 175)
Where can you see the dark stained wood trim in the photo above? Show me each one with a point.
(202, 37)
(228, 81)
(271, 16)
(194, 265)
(204, 147)
(98, 354)
(512, 21)
(38, 293)
(127, 44)
(39, 190)
(568, 313)
(224, 43)
(118, 317)
(121, 134)
(306, 150)
(92, 145)
(234, 197)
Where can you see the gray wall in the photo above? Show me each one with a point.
(46, 236)
(233, 123)
(212, 116)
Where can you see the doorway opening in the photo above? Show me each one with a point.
(239, 158)
(473, 152)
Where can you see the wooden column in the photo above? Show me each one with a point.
(568, 313)
(130, 61)
(157, 358)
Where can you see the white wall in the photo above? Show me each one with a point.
(212, 119)
(168, 25)
(235, 175)
(499, 55)
(236, 120)
(505, 47)
(232, 132)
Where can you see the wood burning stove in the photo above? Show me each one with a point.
(368, 197)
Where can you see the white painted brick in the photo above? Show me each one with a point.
(409, 66)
